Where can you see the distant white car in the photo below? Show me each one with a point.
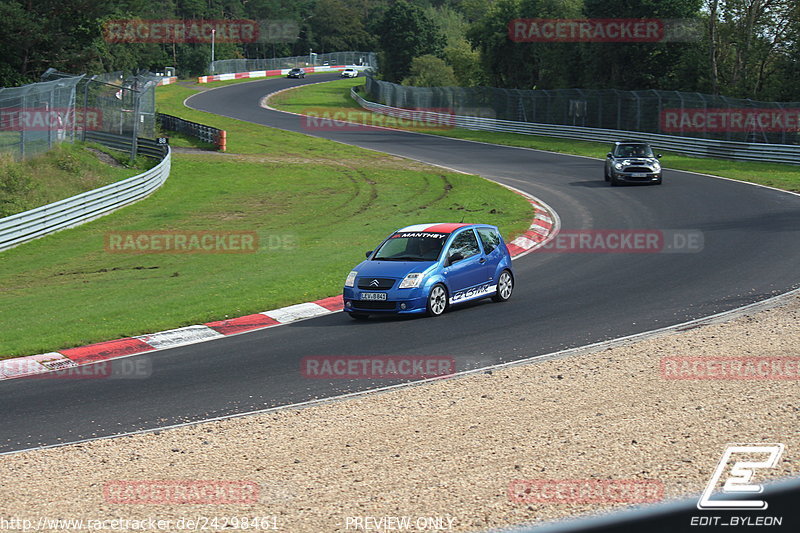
(349, 73)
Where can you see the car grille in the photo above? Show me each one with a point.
(377, 304)
(638, 169)
(383, 284)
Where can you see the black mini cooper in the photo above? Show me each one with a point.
(632, 162)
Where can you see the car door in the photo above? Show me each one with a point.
(491, 241)
(468, 271)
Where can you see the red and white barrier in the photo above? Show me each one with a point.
(278, 72)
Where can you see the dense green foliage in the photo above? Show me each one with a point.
(743, 48)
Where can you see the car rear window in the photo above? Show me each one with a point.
(490, 239)
(465, 243)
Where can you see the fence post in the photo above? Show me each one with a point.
(23, 107)
(135, 139)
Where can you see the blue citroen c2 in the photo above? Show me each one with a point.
(425, 268)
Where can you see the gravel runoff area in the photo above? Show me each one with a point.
(441, 455)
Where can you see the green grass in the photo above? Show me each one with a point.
(335, 98)
(64, 171)
(329, 202)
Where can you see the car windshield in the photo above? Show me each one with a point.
(634, 150)
(411, 246)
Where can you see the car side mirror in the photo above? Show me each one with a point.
(609, 154)
(369, 253)
(455, 258)
(659, 156)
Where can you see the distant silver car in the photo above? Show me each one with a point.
(632, 162)
(296, 73)
(349, 73)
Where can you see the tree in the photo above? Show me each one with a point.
(752, 40)
(466, 64)
(337, 27)
(430, 71)
(524, 65)
(636, 66)
(405, 33)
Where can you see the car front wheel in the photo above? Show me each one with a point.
(505, 286)
(437, 300)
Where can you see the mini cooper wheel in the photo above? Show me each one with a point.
(437, 300)
(605, 174)
(505, 286)
(359, 316)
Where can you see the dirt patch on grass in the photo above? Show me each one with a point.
(105, 158)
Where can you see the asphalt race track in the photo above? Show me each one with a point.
(562, 300)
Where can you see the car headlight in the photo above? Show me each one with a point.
(411, 281)
(618, 166)
(351, 279)
(656, 166)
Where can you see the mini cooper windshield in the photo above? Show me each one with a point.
(634, 150)
(411, 246)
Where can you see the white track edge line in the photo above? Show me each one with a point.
(724, 316)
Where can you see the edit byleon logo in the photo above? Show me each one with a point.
(740, 463)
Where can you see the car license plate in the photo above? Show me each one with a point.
(639, 175)
(373, 295)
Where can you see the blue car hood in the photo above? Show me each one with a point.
(391, 269)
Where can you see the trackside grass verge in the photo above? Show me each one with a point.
(335, 97)
(66, 170)
(314, 205)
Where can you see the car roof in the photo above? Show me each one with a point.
(631, 142)
(438, 227)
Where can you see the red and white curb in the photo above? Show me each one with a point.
(103, 351)
(543, 228)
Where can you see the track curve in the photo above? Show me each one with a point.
(752, 247)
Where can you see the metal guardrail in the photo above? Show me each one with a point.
(146, 147)
(202, 132)
(767, 153)
(23, 227)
